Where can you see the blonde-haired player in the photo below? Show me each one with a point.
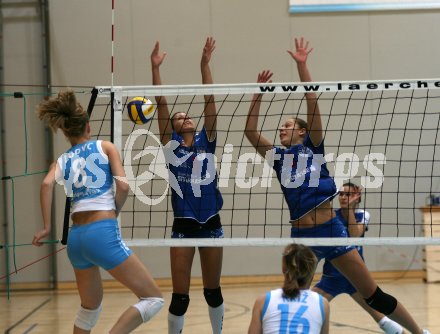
(87, 170)
(294, 308)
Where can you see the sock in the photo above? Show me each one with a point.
(175, 323)
(389, 326)
(216, 316)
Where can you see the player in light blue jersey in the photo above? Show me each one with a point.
(294, 308)
(308, 189)
(86, 170)
(332, 282)
(197, 202)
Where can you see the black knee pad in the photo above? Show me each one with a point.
(179, 304)
(213, 297)
(382, 302)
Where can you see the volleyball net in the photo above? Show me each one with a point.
(381, 135)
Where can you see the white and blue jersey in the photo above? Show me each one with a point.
(85, 172)
(332, 281)
(301, 315)
(305, 180)
(197, 179)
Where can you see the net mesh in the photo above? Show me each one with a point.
(25, 158)
(381, 135)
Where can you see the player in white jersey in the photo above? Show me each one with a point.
(86, 170)
(195, 216)
(292, 309)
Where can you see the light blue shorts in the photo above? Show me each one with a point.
(96, 244)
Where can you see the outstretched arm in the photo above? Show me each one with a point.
(46, 195)
(209, 111)
(252, 134)
(313, 115)
(165, 128)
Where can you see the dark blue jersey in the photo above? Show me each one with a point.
(199, 196)
(304, 177)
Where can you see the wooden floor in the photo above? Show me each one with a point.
(53, 312)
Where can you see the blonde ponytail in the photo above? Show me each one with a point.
(65, 113)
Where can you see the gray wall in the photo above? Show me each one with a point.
(250, 36)
(22, 54)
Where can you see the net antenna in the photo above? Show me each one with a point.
(382, 135)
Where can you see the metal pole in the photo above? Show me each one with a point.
(45, 36)
(3, 165)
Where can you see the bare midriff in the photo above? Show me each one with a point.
(320, 215)
(86, 217)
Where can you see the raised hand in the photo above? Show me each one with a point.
(264, 76)
(208, 49)
(353, 199)
(156, 56)
(302, 50)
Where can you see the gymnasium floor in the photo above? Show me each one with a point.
(53, 312)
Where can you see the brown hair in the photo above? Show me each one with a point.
(65, 113)
(302, 124)
(299, 267)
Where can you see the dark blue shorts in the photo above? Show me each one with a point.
(335, 285)
(190, 228)
(334, 228)
(333, 282)
(216, 233)
(96, 244)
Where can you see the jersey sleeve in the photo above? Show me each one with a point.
(176, 137)
(276, 163)
(315, 149)
(59, 172)
(266, 304)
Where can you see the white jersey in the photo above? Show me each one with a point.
(85, 172)
(302, 315)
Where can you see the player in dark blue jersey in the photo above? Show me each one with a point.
(86, 170)
(332, 282)
(197, 201)
(308, 189)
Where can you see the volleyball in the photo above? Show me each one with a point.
(140, 110)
